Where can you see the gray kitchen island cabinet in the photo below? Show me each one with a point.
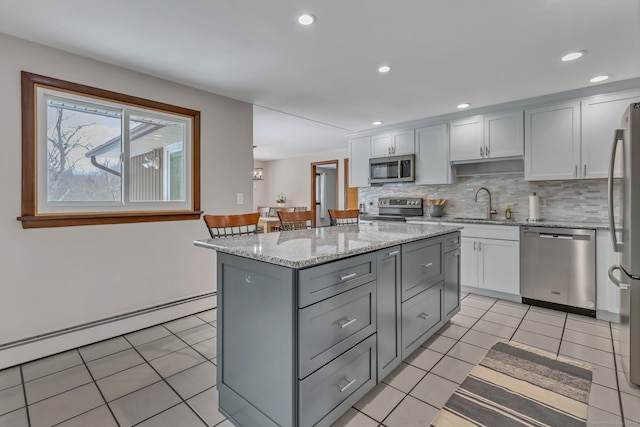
(310, 320)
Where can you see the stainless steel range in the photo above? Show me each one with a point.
(396, 209)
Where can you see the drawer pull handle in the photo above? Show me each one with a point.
(453, 242)
(344, 323)
(456, 254)
(393, 253)
(427, 265)
(348, 276)
(347, 385)
(425, 316)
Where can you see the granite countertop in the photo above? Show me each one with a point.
(514, 222)
(306, 248)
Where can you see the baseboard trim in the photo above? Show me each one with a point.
(36, 347)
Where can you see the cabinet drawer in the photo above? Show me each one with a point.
(421, 266)
(451, 242)
(330, 327)
(327, 393)
(327, 280)
(421, 316)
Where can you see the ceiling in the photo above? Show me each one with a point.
(311, 85)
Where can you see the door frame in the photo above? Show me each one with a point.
(313, 184)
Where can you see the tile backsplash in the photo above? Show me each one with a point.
(579, 200)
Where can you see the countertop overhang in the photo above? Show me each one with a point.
(306, 248)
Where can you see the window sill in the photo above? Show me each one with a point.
(67, 220)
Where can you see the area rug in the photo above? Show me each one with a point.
(516, 385)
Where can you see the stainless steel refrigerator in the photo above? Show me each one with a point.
(626, 274)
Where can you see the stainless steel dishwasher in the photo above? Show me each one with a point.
(558, 268)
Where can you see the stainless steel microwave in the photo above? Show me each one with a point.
(392, 169)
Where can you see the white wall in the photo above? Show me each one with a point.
(55, 278)
(293, 178)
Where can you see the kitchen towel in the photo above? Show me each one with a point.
(534, 207)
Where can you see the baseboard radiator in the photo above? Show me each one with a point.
(35, 347)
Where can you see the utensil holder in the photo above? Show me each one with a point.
(436, 210)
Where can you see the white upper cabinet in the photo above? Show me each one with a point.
(432, 155)
(601, 115)
(359, 153)
(467, 139)
(552, 142)
(504, 135)
(487, 137)
(397, 143)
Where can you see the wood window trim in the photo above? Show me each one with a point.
(30, 217)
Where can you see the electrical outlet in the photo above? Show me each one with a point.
(240, 198)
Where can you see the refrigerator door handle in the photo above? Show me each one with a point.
(618, 136)
(615, 280)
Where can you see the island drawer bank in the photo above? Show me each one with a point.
(310, 320)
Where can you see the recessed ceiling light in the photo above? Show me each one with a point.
(384, 69)
(572, 56)
(464, 105)
(377, 123)
(306, 19)
(597, 79)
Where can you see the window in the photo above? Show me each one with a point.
(92, 156)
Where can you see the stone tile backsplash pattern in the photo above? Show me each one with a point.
(580, 200)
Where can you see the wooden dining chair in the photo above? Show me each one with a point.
(300, 209)
(232, 225)
(344, 217)
(295, 220)
(263, 211)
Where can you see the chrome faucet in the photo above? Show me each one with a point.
(490, 210)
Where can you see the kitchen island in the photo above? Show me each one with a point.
(310, 320)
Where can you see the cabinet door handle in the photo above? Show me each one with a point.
(481, 155)
(479, 246)
(427, 265)
(346, 322)
(425, 316)
(486, 151)
(456, 254)
(584, 174)
(348, 276)
(474, 246)
(575, 171)
(392, 253)
(347, 385)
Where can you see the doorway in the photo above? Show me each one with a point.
(324, 190)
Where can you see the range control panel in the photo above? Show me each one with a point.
(400, 203)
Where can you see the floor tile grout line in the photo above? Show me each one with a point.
(172, 388)
(99, 391)
(615, 368)
(24, 396)
(371, 418)
(165, 410)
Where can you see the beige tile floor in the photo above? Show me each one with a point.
(165, 375)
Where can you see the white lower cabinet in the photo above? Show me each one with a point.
(490, 257)
(491, 264)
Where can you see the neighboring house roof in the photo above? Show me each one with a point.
(114, 143)
(138, 132)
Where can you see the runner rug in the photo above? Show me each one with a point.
(516, 385)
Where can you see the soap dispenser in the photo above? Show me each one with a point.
(507, 212)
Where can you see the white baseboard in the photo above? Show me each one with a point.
(46, 345)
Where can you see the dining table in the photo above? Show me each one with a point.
(269, 223)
